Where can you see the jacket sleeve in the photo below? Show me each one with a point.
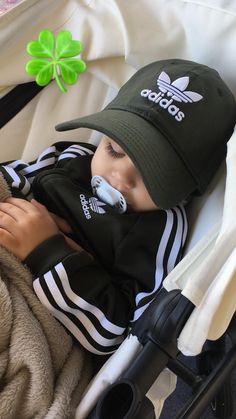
(19, 175)
(95, 304)
(81, 294)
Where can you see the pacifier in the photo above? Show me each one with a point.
(108, 194)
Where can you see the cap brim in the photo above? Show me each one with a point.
(163, 172)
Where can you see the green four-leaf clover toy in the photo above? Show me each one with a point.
(54, 59)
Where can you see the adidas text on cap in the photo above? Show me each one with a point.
(173, 118)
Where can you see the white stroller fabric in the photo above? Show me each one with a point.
(212, 285)
(119, 37)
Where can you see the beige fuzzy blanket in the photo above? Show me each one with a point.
(42, 372)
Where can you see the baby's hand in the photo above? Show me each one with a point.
(23, 226)
(64, 227)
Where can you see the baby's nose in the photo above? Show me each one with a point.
(124, 175)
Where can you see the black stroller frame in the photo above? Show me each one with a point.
(158, 330)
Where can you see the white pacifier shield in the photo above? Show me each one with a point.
(108, 194)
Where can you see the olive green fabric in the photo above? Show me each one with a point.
(173, 118)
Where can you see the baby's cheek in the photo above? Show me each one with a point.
(144, 201)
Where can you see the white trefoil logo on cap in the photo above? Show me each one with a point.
(175, 91)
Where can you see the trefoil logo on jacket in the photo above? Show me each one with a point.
(175, 91)
(91, 204)
(96, 205)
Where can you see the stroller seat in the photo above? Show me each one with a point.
(119, 37)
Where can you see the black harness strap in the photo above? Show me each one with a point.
(14, 101)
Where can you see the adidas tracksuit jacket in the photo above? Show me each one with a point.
(95, 299)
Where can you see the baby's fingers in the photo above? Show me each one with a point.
(37, 204)
(61, 223)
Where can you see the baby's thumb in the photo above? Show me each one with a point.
(36, 203)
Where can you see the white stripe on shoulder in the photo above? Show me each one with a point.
(80, 147)
(38, 165)
(75, 150)
(14, 164)
(185, 220)
(48, 150)
(17, 181)
(179, 238)
(139, 312)
(70, 155)
(160, 256)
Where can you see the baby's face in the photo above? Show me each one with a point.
(113, 164)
